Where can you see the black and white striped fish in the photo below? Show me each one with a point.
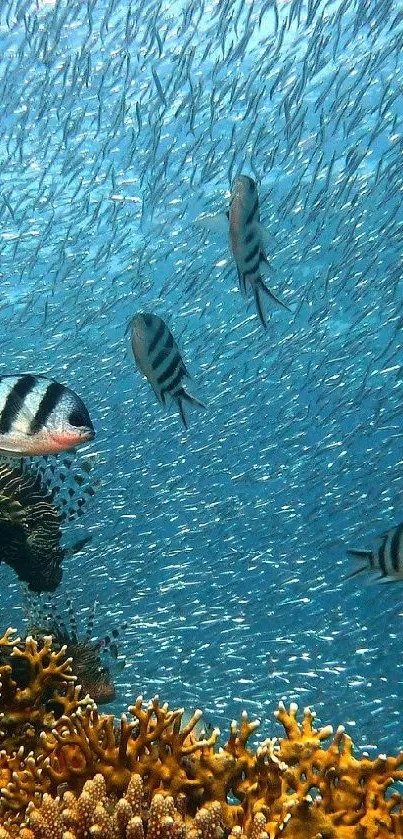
(158, 357)
(39, 416)
(247, 242)
(388, 558)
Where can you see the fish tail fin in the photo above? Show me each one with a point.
(357, 553)
(275, 301)
(183, 396)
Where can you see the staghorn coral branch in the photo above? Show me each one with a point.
(7, 641)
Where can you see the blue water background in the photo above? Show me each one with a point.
(224, 546)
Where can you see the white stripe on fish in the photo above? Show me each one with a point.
(39, 416)
(388, 558)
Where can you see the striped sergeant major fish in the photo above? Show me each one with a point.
(388, 558)
(158, 358)
(247, 243)
(39, 416)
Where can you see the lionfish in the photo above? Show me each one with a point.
(36, 498)
(89, 656)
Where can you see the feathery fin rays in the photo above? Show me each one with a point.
(36, 498)
(96, 661)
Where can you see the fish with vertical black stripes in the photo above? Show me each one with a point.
(387, 559)
(157, 356)
(247, 243)
(39, 416)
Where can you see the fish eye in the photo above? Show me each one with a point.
(79, 418)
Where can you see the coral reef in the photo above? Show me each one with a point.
(93, 659)
(76, 774)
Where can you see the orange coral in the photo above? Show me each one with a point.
(81, 774)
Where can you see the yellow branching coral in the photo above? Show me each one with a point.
(79, 774)
(28, 678)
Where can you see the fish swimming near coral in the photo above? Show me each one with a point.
(158, 358)
(89, 656)
(388, 558)
(93, 659)
(39, 416)
(34, 503)
(247, 243)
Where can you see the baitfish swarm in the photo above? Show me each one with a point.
(158, 357)
(31, 515)
(39, 416)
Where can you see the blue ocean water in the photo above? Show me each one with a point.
(223, 547)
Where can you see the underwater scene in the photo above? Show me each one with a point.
(201, 475)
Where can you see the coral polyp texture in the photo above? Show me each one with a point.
(69, 772)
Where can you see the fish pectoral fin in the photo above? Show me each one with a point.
(78, 546)
(214, 223)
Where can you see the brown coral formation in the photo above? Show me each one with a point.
(78, 774)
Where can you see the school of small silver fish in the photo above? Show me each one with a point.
(123, 127)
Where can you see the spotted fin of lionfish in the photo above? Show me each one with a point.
(68, 479)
